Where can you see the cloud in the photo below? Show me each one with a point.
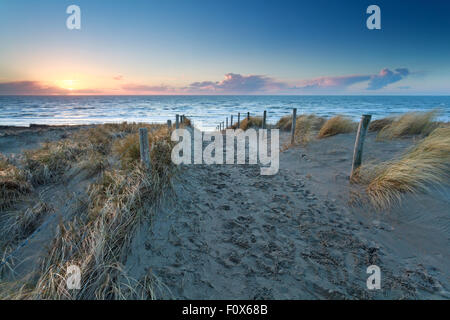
(29, 88)
(237, 83)
(233, 83)
(118, 78)
(375, 81)
(340, 82)
(386, 77)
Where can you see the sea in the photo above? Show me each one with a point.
(205, 111)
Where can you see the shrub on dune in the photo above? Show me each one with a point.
(410, 123)
(424, 167)
(336, 125)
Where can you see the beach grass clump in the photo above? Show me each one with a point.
(253, 122)
(14, 183)
(421, 169)
(284, 123)
(51, 161)
(19, 224)
(306, 127)
(377, 125)
(186, 122)
(128, 151)
(87, 148)
(97, 240)
(336, 125)
(411, 123)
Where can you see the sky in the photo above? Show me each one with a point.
(224, 47)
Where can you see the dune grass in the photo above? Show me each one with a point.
(284, 123)
(306, 127)
(419, 170)
(377, 125)
(411, 123)
(13, 183)
(254, 122)
(336, 125)
(97, 239)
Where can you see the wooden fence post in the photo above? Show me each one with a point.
(177, 121)
(264, 119)
(226, 124)
(359, 142)
(239, 120)
(169, 124)
(231, 121)
(294, 120)
(248, 116)
(144, 147)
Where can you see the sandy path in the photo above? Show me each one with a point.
(230, 233)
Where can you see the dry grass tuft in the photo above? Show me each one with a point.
(97, 240)
(98, 237)
(336, 125)
(19, 225)
(13, 184)
(418, 171)
(285, 123)
(410, 123)
(255, 122)
(186, 122)
(306, 127)
(377, 125)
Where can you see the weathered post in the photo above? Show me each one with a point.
(239, 120)
(226, 127)
(169, 124)
(359, 142)
(184, 119)
(177, 121)
(231, 121)
(294, 120)
(264, 119)
(144, 147)
(248, 116)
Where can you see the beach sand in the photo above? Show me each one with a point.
(226, 232)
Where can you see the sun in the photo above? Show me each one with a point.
(68, 84)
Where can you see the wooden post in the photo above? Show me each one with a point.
(177, 121)
(169, 124)
(248, 116)
(226, 127)
(294, 120)
(231, 121)
(264, 119)
(144, 147)
(239, 120)
(359, 143)
(184, 119)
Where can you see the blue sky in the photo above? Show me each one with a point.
(224, 47)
